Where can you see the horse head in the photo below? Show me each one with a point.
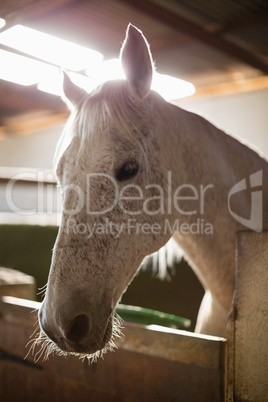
(113, 203)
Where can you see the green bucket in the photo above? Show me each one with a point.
(146, 316)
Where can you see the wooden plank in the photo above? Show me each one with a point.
(173, 345)
(17, 284)
(137, 370)
(26, 176)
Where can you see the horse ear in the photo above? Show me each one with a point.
(137, 61)
(72, 94)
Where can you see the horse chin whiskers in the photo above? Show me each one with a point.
(41, 346)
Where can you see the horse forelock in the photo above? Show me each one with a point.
(112, 110)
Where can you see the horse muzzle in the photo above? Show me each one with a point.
(76, 334)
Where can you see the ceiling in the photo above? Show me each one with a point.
(213, 44)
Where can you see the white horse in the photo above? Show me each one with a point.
(134, 171)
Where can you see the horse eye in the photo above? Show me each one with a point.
(127, 171)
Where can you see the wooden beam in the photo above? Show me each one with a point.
(30, 123)
(228, 88)
(15, 12)
(9, 6)
(198, 33)
(19, 99)
(243, 22)
(168, 42)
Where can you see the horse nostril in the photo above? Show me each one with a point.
(79, 328)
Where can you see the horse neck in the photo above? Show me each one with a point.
(200, 153)
(197, 153)
(186, 141)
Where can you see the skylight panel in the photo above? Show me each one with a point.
(22, 70)
(49, 48)
(2, 22)
(169, 87)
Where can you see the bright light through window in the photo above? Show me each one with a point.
(2, 23)
(23, 70)
(49, 48)
(53, 83)
(72, 57)
(107, 70)
(169, 87)
(172, 88)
